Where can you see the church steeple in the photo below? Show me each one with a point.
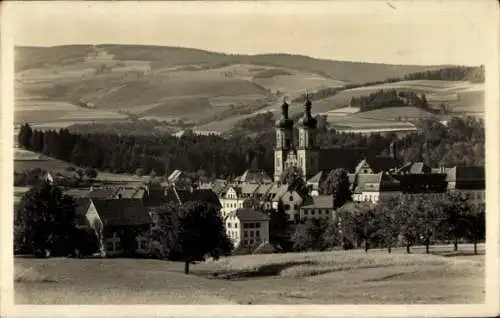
(284, 121)
(307, 121)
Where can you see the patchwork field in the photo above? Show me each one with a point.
(168, 83)
(341, 277)
(57, 113)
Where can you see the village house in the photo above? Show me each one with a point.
(469, 180)
(234, 196)
(121, 225)
(317, 207)
(290, 200)
(253, 176)
(247, 227)
(181, 196)
(372, 187)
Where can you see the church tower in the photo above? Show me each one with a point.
(284, 141)
(307, 152)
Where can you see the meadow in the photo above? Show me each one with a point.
(338, 277)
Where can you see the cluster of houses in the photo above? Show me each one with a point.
(111, 210)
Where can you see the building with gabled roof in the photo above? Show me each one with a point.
(371, 187)
(467, 179)
(181, 196)
(254, 176)
(291, 202)
(247, 227)
(317, 207)
(119, 224)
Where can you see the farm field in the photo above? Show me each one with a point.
(52, 112)
(340, 277)
(27, 160)
(177, 83)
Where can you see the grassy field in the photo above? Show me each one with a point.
(339, 277)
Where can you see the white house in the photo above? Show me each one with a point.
(247, 227)
(230, 200)
(372, 187)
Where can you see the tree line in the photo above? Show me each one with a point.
(413, 219)
(389, 98)
(460, 143)
(457, 73)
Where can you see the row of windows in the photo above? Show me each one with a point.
(313, 212)
(251, 225)
(287, 206)
(251, 234)
(113, 244)
(251, 242)
(230, 225)
(233, 205)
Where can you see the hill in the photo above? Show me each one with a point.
(84, 83)
(160, 56)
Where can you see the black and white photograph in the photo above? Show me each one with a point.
(251, 153)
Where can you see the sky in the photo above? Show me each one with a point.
(395, 32)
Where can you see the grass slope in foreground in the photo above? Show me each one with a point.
(340, 277)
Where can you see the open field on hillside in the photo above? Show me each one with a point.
(341, 277)
(297, 82)
(43, 112)
(28, 160)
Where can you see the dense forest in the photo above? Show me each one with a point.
(459, 73)
(460, 143)
(389, 98)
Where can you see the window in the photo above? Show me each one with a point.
(229, 225)
(245, 234)
(306, 212)
(235, 225)
(251, 233)
(313, 212)
(286, 206)
(257, 225)
(291, 198)
(257, 233)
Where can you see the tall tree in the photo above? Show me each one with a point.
(46, 221)
(292, 176)
(457, 210)
(190, 232)
(337, 184)
(387, 221)
(201, 231)
(476, 224)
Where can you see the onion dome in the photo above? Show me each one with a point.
(284, 121)
(307, 120)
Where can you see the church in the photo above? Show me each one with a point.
(307, 155)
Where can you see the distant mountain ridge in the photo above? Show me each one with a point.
(165, 56)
